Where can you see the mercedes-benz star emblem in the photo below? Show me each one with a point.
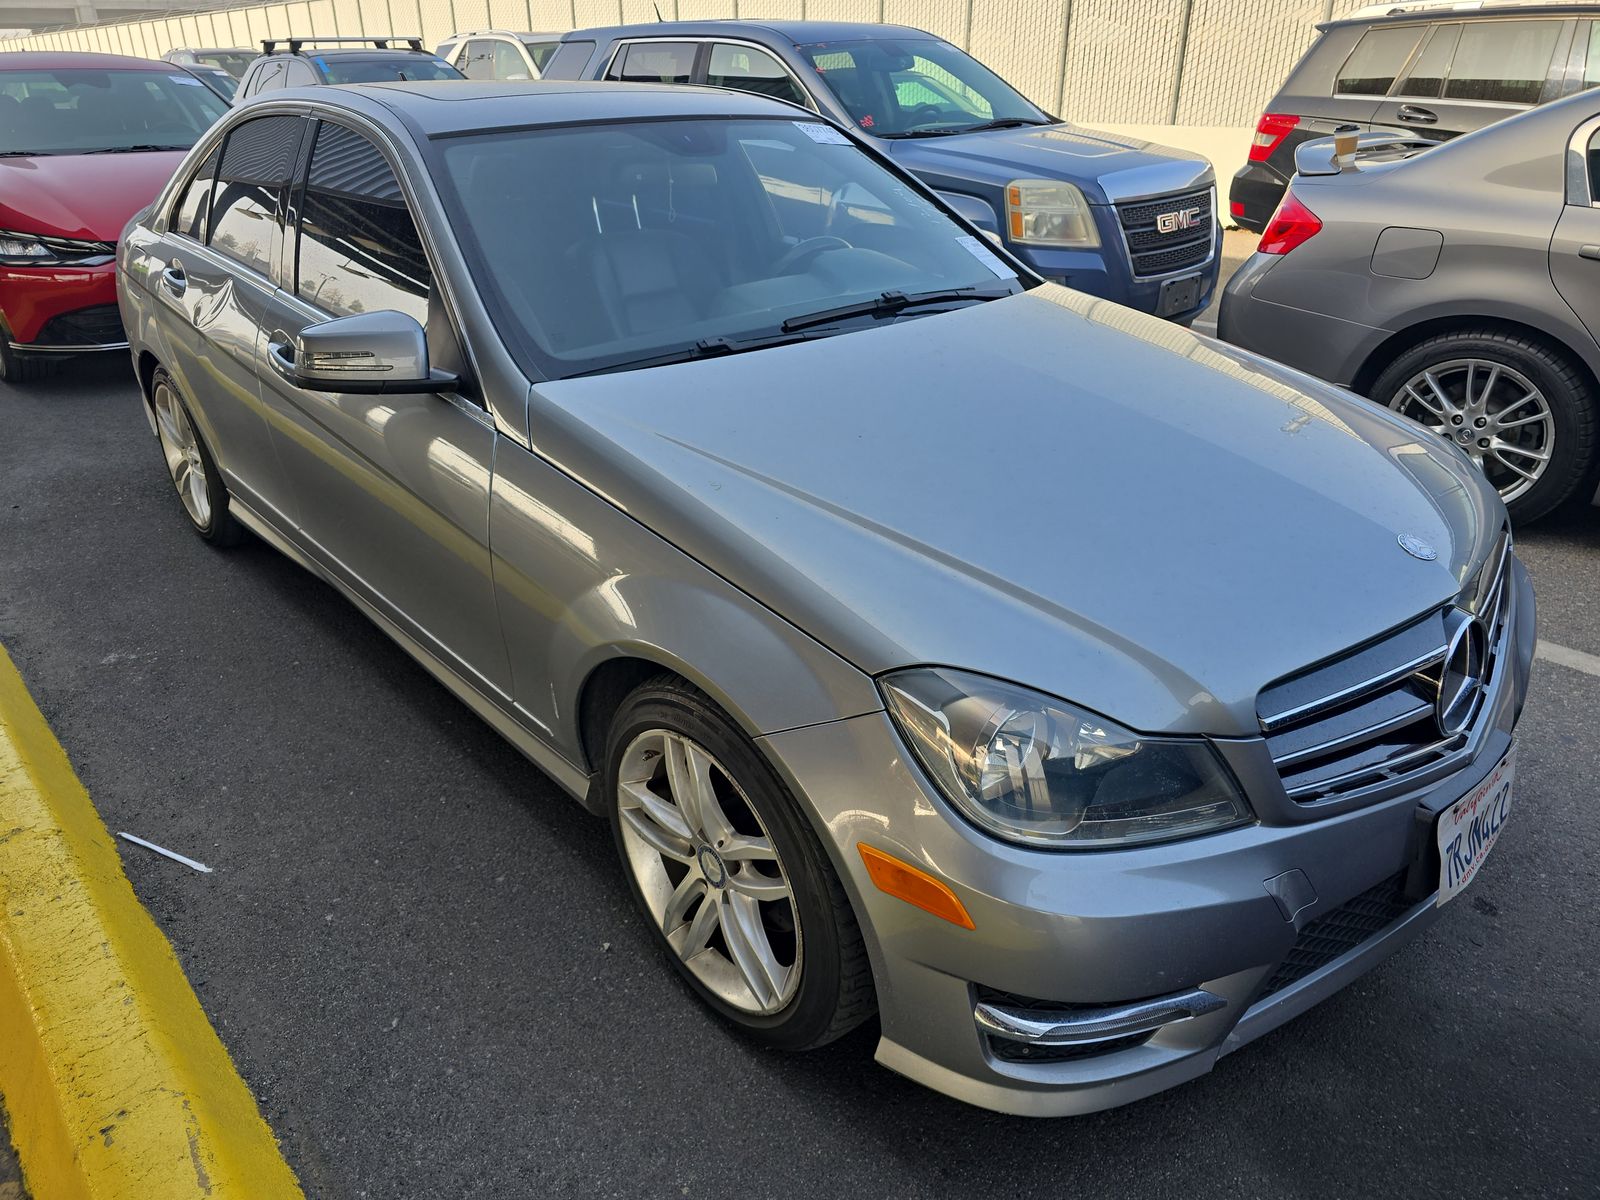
(1417, 548)
(711, 866)
(1461, 684)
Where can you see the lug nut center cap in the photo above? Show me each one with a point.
(712, 867)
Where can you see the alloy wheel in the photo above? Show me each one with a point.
(181, 448)
(709, 872)
(1495, 413)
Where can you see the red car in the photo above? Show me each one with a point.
(86, 141)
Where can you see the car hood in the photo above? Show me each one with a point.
(1048, 488)
(89, 196)
(1107, 166)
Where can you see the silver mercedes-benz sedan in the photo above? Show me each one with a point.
(1083, 697)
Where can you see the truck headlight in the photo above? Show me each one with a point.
(1032, 769)
(1046, 212)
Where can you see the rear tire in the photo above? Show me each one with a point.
(190, 465)
(1550, 400)
(747, 883)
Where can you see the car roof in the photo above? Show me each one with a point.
(1457, 10)
(796, 33)
(446, 106)
(53, 60)
(360, 52)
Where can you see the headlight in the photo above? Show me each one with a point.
(18, 249)
(27, 250)
(1033, 769)
(1044, 212)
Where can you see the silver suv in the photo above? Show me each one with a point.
(923, 655)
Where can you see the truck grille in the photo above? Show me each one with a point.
(1370, 718)
(1153, 250)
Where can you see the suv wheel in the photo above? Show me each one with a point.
(729, 874)
(1522, 411)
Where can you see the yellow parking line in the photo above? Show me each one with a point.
(115, 1083)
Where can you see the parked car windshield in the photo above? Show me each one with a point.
(95, 111)
(215, 78)
(233, 64)
(921, 88)
(615, 245)
(386, 70)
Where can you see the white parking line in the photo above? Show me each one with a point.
(1564, 656)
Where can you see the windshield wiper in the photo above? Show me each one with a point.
(1002, 123)
(130, 149)
(23, 153)
(716, 347)
(890, 304)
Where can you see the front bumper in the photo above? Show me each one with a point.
(1106, 272)
(1107, 930)
(60, 310)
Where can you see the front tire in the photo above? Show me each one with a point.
(193, 471)
(729, 873)
(1519, 408)
(22, 368)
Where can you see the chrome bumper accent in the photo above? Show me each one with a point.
(91, 348)
(1049, 1027)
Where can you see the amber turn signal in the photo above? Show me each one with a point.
(905, 882)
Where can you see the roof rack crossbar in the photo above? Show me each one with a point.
(270, 45)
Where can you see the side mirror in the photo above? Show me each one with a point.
(384, 351)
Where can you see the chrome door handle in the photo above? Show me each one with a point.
(281, 355)
(1590, 251)
(174, 280)
(1418, 115)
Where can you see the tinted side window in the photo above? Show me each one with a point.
(1503, 61)
(478, 60)
(540, 52)
(654, 62)
(299, 74)
(1594, 168)
(1376, 60)
(194, 206)
(746, 69)
(1432, 67)
(568, 61)
(358, 247)
(270, 76)
(255, 163)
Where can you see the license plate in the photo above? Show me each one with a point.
(1468, 828)
(1178, 295)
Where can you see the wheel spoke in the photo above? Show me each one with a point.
(699, 931)
(1427, 404)
(749, 882)
(1530, 476)
(1511, 408)
(749, 947)
(1433, 385)
(180, 476)
(740, 848)
(691, 888)
(1501, 447)
(689, 776)
(1504, 424)
(1488, 387)
(668, 816)
(662, 841)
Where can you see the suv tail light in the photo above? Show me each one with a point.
(1291, 225)
(1270, 132)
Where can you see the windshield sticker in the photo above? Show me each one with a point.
(188, 80)
(976, 248)
(827, 135)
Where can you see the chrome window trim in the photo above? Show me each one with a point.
(1579, 186)
(708, 41)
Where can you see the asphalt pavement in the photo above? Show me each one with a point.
(424, 961)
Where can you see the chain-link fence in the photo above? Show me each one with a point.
(1139, 62)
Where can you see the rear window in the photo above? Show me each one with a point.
(1377, 59)
(1502, 61)
(381, 70)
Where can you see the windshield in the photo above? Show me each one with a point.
(612, 245)
(387, 70)
(917, 88)
(234, 64)
(217, 80)
(90, 111)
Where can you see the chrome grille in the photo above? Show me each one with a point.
(1153, 252)
(1367, 719)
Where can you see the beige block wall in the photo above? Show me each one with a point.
(1195, 64)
